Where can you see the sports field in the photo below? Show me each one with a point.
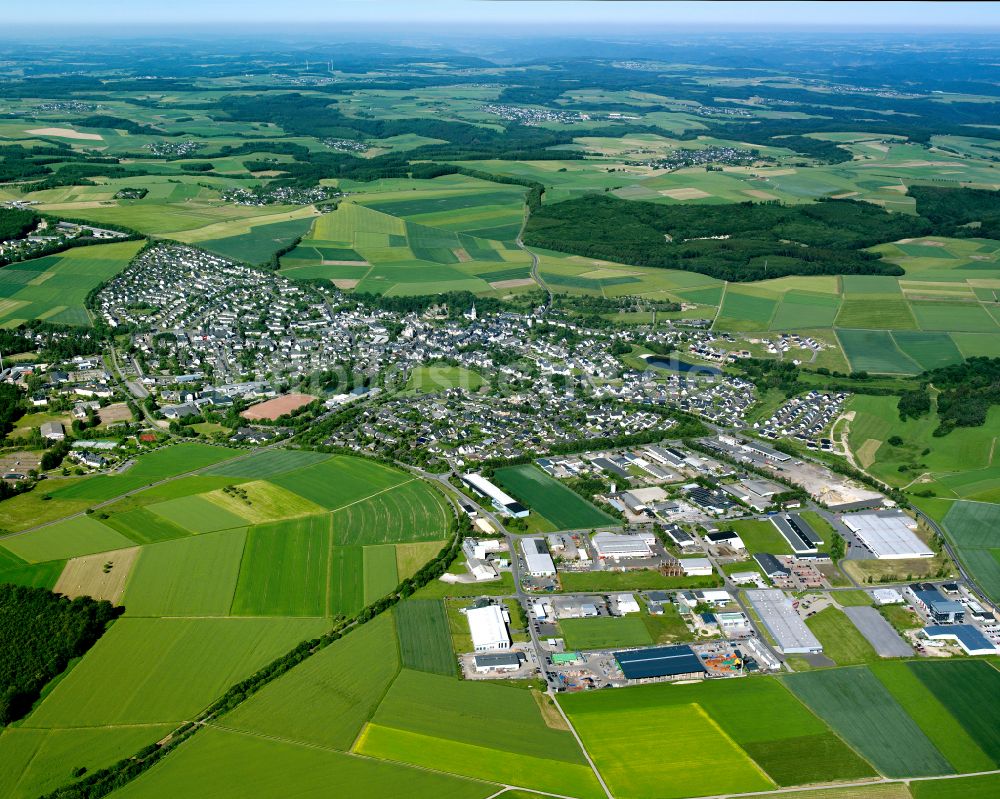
(439, 377)
(550, 499)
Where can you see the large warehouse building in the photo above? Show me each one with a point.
(887, 537)
(537, 559)
(786, 627)
(488, 626)
(797, 532)
(661, 662)
(620, 547)
(501, 500)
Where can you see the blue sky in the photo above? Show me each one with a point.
(508, 13)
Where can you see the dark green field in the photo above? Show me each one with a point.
(424, 642)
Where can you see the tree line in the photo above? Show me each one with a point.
(40, 632)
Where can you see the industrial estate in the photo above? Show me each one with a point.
(452, 422)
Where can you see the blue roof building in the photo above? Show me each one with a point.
(972, 641)
(660, 662)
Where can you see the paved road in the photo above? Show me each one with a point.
(534, 260)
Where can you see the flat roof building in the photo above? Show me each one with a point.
(727, 538)
(501, 500)
(678, 535)
(771, 566)
(625, 603)
(502, 661)
(696, 567)
(616, 546)
(786, 627)
(536, 558)
(797, 532)
(969, 638)
(672, 662)
(941, 610)
(488, 626)
(887, 537)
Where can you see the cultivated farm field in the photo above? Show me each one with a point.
(550, 499)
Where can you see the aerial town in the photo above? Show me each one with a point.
(462, 400)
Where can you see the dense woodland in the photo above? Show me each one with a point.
(959, 212)
(40, 632)
(741, 242)
(967, 392)
(15, 224)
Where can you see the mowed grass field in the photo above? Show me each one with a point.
(262, 501)
(760, 718)
(484, 730)
(934, 716)
(198, 513)
(285, 569)
(604, 632)
(842, 642)
(550, 499)
(54, 288)
(340, 481)
(968, 689)
(412, 511)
